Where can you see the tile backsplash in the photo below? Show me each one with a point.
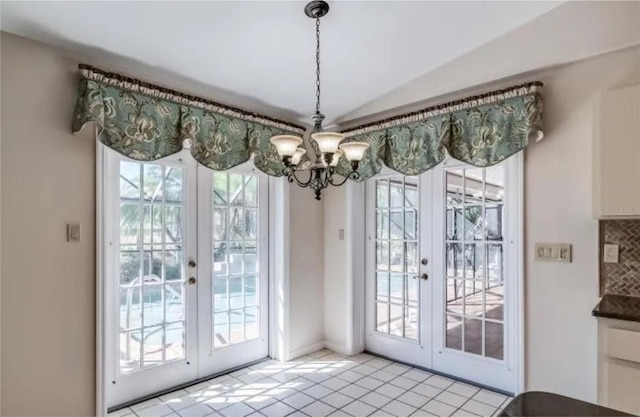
(622, 277)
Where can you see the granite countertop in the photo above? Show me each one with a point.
(621, 307)
(537, 403)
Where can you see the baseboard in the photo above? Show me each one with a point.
(338, 348)
(305, 350)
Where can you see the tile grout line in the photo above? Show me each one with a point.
(355, 364)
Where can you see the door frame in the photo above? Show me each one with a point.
(278, 287)
(514, 170)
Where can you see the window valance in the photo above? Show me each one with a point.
(146, 122)
(481, 131)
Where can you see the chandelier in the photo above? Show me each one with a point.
(329, 148)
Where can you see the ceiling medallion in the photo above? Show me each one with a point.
(321, 173)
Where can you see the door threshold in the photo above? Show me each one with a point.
(422, 368)
(182, 386)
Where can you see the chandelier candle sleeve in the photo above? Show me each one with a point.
(336, 158)
(297, 156)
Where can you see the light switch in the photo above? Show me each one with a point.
(340, 234)
(611, 254)
(73, 232)
(554, 252)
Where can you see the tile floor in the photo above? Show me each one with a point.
(324, 384)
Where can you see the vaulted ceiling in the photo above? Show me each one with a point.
(264, 50)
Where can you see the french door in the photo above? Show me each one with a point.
(185, 272)
(398, 251)
(441, 271)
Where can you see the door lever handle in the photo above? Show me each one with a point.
(423, 277)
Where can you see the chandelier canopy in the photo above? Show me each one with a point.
(329, 149)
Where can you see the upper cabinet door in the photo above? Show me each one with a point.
(617, 154)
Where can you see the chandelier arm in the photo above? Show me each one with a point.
(353, 175)
(291, 177)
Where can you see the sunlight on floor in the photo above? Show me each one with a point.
(324, 384)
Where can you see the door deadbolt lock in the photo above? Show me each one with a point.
(424, 261)
(191, 281)
(192, 264)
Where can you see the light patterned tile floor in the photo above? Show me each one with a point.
(323, 384)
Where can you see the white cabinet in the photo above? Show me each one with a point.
(619, 365)
(616, 153)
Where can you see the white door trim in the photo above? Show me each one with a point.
(515, 171)
(279, 293)
(356, 263)
(101, 408)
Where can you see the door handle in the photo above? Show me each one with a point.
(191, 281)
(423, 277)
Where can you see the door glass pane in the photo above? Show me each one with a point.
(411, 323)
(382, 317)
(382, 287)
(151, 254)
(454, 332)
(494, 344)
(473, 336)
(397, 256)
(236, 270)
(474, 233)
(455, 296)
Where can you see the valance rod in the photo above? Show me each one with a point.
(533, 87)
(141, 87)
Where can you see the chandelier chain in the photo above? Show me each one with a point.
(317, 65)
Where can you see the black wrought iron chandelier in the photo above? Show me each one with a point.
(329, 149)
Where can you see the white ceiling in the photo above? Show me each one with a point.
(265, 50)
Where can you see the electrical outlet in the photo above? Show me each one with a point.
(611, 253)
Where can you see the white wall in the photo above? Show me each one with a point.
(561, 334)
(48, 290)
(573, 31)
(48, 285)
(306, 273)
(336, 277)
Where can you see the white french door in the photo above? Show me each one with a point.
(464, 321)
(185, 272)
(398, 314)
(233, 268)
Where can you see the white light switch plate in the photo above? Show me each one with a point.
(553, 252)
(611, 254)
(73, 232)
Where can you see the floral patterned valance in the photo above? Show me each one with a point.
(146, 122)
(481, 131)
